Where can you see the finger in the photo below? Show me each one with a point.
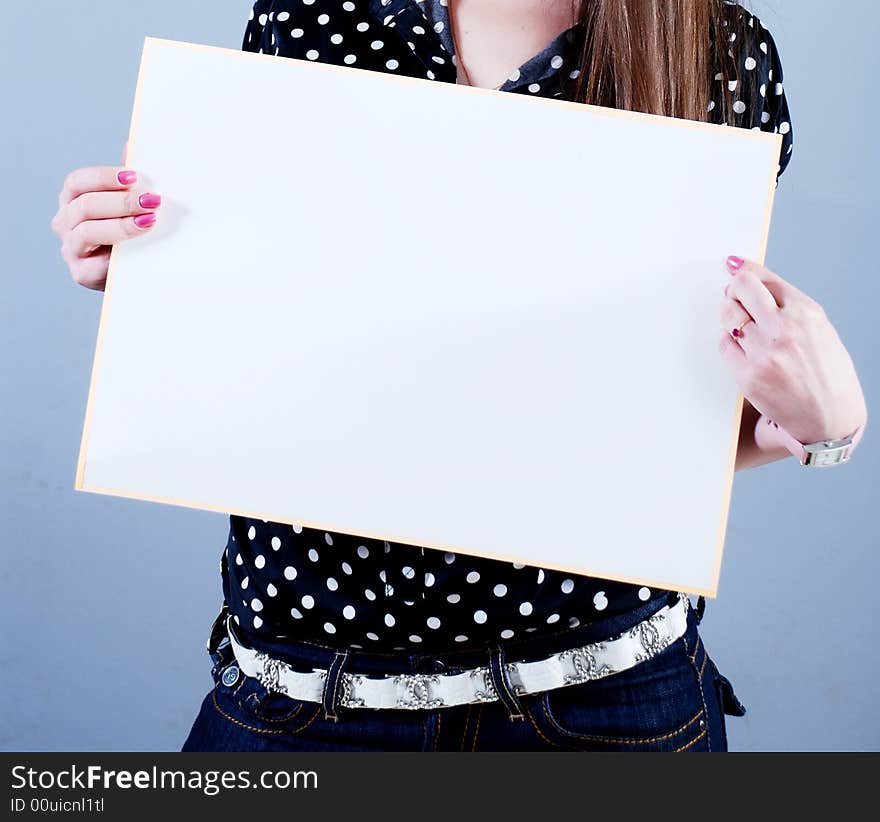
(87, 236)
(100, 205)
(746, 286)
(732, 314)
(779, 289)
(95, 178)
(733, 319)
(91, 271)
(733, 355)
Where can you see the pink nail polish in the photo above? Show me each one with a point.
(145, 220)
(150, 200)
(735, 263)
(126, 177)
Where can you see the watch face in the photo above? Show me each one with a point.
(822, 454)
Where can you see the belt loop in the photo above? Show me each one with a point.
(218, 641)
(502, 684)
(330, 694)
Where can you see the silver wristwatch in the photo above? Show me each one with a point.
(818, 454)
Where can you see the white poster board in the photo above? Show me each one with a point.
(440, 315)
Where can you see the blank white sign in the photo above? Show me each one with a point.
(447, 316)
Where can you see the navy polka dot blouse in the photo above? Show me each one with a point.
(287, 581)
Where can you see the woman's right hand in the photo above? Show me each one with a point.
(95, 210)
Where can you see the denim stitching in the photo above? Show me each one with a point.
(287, 718)
(333, 706)
(263, 730)
(540, 733)
(258, 706)
(614, 740)
(337, 680)
(693, 662)
(690, 744)
(467, 720)
(502, 667)
(477, 729)
(242, 678)
(514, 708)
(253, 700)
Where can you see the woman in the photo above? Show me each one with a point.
(330, 642)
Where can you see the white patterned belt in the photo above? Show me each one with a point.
(568, 667)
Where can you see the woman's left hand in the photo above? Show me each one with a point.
(789, 361)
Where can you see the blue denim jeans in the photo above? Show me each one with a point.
(675, 701)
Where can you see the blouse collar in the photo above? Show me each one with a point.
(424, 25)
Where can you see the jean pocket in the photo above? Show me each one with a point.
(653, 706)
(250, 702)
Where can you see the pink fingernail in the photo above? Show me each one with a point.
(150, 200)
(145, 220)
(735, 263)
(126, 177)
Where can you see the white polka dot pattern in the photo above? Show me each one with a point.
(346, 590)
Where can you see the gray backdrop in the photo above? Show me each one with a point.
(103, 643)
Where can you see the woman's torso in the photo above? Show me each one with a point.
(283, 580)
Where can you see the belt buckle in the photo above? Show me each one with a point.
(347, 682)
(485, 691)
(417, 691)
(586, 666)
(270, 671)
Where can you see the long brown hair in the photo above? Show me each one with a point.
(660, 56)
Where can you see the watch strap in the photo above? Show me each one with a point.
(817, 454)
